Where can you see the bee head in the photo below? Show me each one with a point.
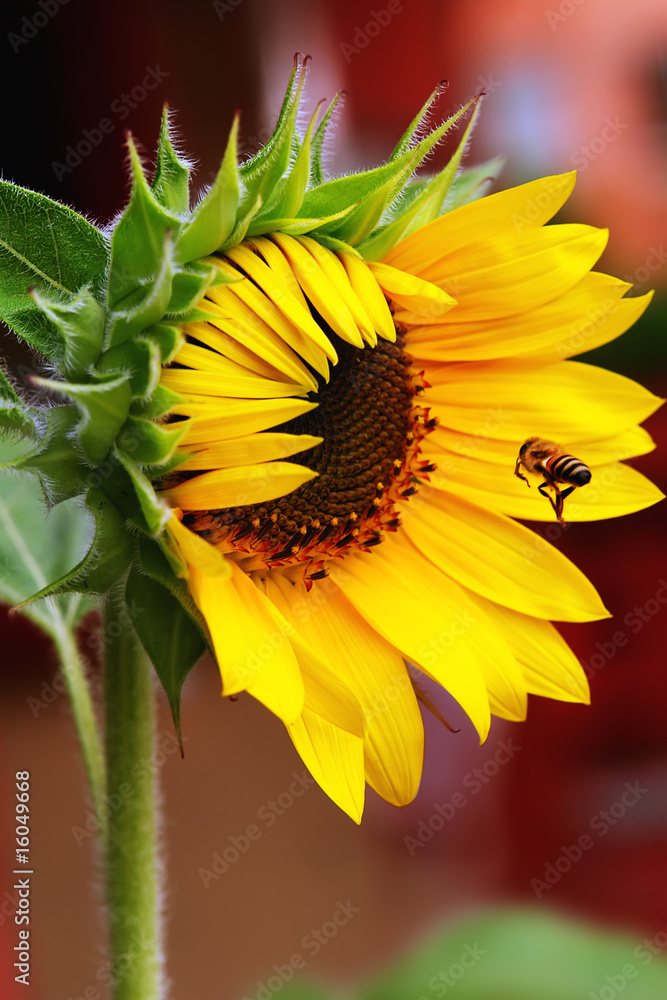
(526, 445)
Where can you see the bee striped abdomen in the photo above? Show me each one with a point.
(568, 469)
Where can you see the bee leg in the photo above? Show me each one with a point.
(518, 474)
(557, 503)
(562, 496)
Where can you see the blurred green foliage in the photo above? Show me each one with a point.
(516, 954)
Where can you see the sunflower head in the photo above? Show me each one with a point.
(294, 412)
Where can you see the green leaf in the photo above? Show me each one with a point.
(80, 320)
(214, 217)
(172, 174)
(44, 244)
(520, 954)
(104, 406)
(36, 549)
(107, 559)
(169, 635)
(57, 463)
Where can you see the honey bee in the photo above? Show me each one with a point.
(550, 461)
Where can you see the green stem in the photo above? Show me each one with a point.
(84, 719)
(132, 872)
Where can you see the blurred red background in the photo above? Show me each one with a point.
(570, 83)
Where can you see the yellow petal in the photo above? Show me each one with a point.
(487, 449)
(238, 487)
(524, 207)
(550, 668)
(565, 402)
(590, 314)
(196, 551)
(221, 419)
(231, 347)
(334, 758)
(425, 616)
(517, 273)
(370, 293)
(233, 316)
(375, 671)
(615, 489)
(252, 652)
(334, 270)
(421, 297)
(252, 448)
(319, 289)
(501, 560)
(241, 384)
(279, 266)
(304, 335)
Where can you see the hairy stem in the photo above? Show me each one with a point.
(131, 846)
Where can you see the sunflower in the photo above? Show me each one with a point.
(350, 432)
(294, 412)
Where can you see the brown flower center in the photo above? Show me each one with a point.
(368, 461)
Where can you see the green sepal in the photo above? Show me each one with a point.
(364, 217)
(263, 171)
(470, 183)
(421, 202)
(293, 226)
(57, 462)
(143, 507)
(172, 640)
(317, 145)
(138, 243)
(436, 192)
(103, 405)
(46, 244)
(191, 283)
(154, 443)
(147, 304)
(155, 472)
(172, 174)
(338, 246)
(372, 191)
(418, 124)
(287, 196)
(243, 222)
(168, 339)
(80, 320)
(139, 359)
(214, 218)
(107, 559)
(14, 415)
(161, 402)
